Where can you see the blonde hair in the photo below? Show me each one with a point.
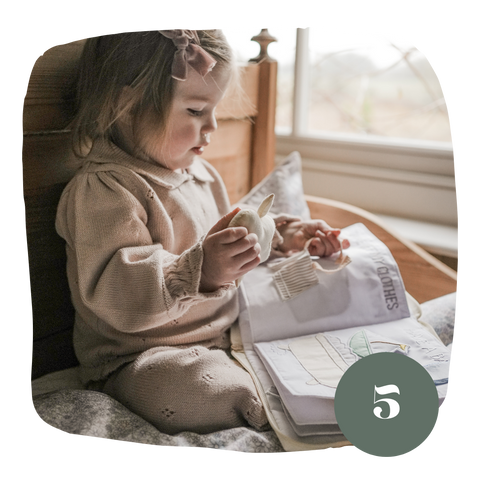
(141, 61)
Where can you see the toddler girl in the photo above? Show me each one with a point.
(151, 263)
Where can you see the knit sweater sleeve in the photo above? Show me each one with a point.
(116, 271)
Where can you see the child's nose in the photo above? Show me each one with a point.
(210, 125)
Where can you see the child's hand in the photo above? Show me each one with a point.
(228, 254)
(324, 241)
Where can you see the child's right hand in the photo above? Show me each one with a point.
(228, 254)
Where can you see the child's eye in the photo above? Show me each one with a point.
(195, 113)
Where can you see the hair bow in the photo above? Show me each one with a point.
(188, 52)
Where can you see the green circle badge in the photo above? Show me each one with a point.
(386, 404)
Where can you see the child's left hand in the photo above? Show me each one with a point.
(325, 239)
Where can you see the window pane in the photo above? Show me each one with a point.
(283, 50)
(376, 88)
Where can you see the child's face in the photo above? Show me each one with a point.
(191, 120)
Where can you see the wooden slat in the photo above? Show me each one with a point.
(263, 153)
(241, 102)
(48, 102)
(424, 276)
(47, 160)
(230, 153)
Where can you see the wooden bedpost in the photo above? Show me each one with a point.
(263, 147)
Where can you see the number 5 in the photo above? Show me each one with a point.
(393, 404)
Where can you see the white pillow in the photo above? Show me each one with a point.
(287, 185)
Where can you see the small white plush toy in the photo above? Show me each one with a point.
(258, 222)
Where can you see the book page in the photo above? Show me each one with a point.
(367, 291)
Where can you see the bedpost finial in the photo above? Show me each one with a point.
(264, 39)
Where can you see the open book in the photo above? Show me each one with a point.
(304, 321)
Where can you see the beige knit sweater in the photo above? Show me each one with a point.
(133, 234)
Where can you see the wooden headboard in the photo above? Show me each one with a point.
(242, 150)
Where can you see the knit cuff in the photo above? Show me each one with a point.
(184, 284)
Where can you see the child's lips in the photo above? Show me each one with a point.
(197, 150)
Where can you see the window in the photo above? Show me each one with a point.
(370, 88)
(369, 119)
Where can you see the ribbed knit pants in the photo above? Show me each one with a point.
(188, 389)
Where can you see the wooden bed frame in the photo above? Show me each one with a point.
(242, 150)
